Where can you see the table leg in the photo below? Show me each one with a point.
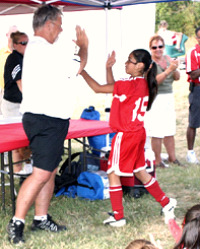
(2, 182)
(84, 154)
(69, 155)
(12, 192)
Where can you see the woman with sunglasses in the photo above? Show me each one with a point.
(13, 89)
(161, 119)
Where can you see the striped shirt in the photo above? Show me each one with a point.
(193, 62)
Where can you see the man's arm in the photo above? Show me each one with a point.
(194, 74)
(82, 42)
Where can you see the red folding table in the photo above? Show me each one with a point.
(12, 136)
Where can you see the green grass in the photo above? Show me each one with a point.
(84, 218)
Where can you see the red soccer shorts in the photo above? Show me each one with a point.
(127, 153)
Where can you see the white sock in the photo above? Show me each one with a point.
(40, 217)
(190, 151)
(15, 219)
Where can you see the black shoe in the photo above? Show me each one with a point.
(177, 162)
(48, 225)
(162, 165)
(15, 231)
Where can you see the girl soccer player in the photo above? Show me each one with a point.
(187, 237)
(131, 98)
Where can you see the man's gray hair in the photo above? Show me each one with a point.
(43, 14)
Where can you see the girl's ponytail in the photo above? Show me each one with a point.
(152, 83)
(150, 71)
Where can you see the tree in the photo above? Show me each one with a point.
(182, 16)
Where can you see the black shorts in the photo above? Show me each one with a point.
(46, 135)
(194, 108)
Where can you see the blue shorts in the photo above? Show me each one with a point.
(46, 135)
(194, 108)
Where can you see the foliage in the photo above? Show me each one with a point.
(182, 16)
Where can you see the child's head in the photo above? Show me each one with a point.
(191, 229)
(139, 63)
(140, 244)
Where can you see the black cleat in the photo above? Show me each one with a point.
(15, 231)
(47, 225)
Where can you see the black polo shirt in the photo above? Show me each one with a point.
(12, 73)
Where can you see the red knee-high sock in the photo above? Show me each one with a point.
(154, 189)
(116, 196)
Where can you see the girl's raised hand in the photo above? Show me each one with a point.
(111, 60)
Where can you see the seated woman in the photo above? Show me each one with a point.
(170, 37)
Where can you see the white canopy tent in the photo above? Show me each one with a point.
(28, 6)
(122, 30)
(117, 28)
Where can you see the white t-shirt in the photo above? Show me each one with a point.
(48, 79)
(168, 36)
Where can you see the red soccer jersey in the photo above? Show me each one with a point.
(130, 100)
(193, 62)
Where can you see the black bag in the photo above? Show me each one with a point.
(76, 166)
(91, 160)
(64, 178)
(68, 177)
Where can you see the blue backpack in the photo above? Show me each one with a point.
(93, 185)
(96, 142)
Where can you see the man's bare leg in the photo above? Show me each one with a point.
(43, 199)
(16, 157)
(30, 189)
(191, 133)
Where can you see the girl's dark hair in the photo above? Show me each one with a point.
(150, 70)
(15, 36)
(191, 231)
(43, 14)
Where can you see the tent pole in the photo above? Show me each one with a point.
(107, 105)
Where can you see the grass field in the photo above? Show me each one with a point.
(84, 218)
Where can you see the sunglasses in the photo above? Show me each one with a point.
(155, 47)
(23, 43)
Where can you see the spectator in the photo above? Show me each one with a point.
(193, 71)
(170, 37)
(161, 119)
(189, 235)
(131, 98)
(46, 83)
(12, 76)
(4, 52)
(13, 93)
(141, 244)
